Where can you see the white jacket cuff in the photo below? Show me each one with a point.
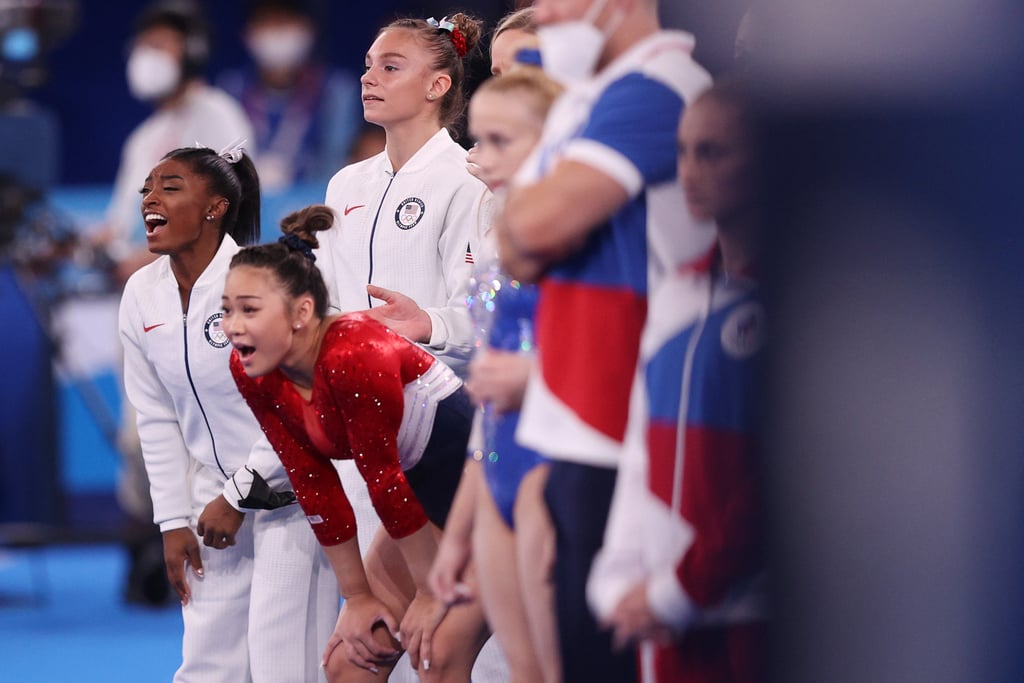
(237, 488)
(438, 329)
(172, 524)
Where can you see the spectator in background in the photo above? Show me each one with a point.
(596, 215)
(306, 115)
(166, 63)
(168, 55)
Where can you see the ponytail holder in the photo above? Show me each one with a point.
(233, 152)
(296, 243)
(457, 36)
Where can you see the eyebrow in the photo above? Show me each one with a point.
(165, 177)
(385, 55)
(241, 296)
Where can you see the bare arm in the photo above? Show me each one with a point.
(545, 221)
(361, 611)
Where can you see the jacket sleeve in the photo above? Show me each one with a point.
(451, 336)
(163, 446)
(622, 562)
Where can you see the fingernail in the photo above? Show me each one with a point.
(398, 636)
(374, 670)
(426, 665)
(199, 571)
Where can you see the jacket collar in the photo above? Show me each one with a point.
(438, 144)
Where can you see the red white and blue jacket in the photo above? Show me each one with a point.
(593, 304)
(685, 514)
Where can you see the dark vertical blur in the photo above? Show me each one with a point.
(29, 162)
(895, 408)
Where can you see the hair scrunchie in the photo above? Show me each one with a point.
(233, 153)
(296, 243)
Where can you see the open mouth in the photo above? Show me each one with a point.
(245, 351)
(154, 221)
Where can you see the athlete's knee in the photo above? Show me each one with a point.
(449, 662)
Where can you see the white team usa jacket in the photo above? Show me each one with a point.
(177, 377)
(416, 231)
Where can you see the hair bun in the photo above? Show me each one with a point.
(306, 222)
(470, 29)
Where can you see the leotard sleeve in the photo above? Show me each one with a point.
(313, 476)
(365, 380)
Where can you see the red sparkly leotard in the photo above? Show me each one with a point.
(359, 409)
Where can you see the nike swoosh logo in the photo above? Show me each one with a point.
(151, 327)
(349, 209)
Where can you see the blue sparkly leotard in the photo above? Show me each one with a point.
(506, 462)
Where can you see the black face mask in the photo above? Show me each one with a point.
(262, 497)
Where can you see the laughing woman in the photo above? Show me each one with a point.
(325, 388)
(213, 477)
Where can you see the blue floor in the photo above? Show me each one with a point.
(62, 619)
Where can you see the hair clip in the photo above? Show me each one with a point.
(296, 243)
(233, 152)
(457, 37)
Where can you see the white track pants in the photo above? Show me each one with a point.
(265, 607)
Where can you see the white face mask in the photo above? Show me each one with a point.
(280, 48)
(152, 73)
(570, 50)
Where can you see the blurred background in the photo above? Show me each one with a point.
(895, 165)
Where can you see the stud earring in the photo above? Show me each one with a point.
(298, 326)
(209, 216)
(430, 97)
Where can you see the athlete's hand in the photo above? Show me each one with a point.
(181, 549)
(421, 619)
(498, 378)
(633, 620)
(219, 523)
(449, 568)
(471, 163)
(400, 313)
(358, 631)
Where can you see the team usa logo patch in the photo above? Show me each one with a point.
(214, 331)
(743, 331)
(409, 213)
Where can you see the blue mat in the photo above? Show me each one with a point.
(62, 619)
